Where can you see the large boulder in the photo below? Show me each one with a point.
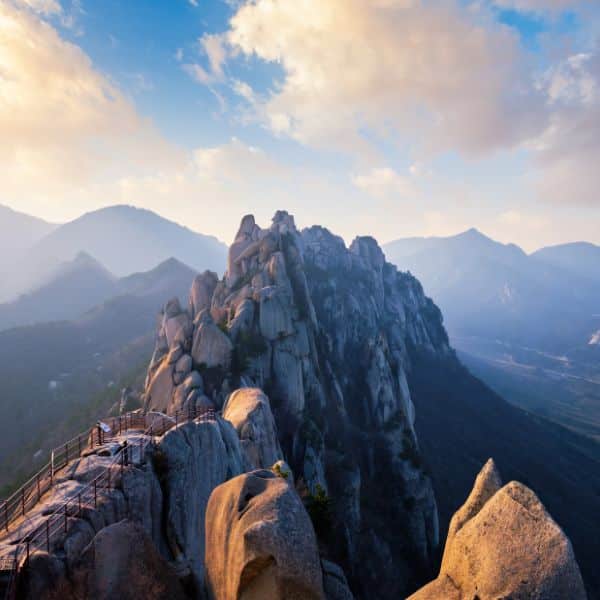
(249, 411)
(122, 562)
(211, 347)
(160, 389)
(191, 460)
(202, 291)
(503, 544)
(262, 542)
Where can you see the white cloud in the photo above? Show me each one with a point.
(45, 7)
(62, 123)
(212, 46)
(538, 5)
(568, 153)
(416, 72)
(198, 73)
(236, 161)
(384, 182)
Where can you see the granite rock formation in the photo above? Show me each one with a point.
(503, 544)
(326, 332)
(291, 468)
(262, 542)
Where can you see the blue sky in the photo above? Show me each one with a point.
(392, 118)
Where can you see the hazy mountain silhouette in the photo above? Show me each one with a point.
(582, 258)
(80, 284)
(18, 232)
(127, 240)
(523, 323)
(122, 238)
(71, 371)
(494, 290)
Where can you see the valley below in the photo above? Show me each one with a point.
(564, 389)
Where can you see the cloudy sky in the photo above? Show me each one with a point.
(387, 117)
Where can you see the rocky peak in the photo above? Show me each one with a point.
(326, 332)
(368, 249)
(503, 544)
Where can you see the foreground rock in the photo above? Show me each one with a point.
(191, 461)
(503, 544)
(262, 544)
(120, 562)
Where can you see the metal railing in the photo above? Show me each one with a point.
(55, 526)
(29, 494)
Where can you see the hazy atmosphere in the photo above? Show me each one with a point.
(299, 299)
(392, 118)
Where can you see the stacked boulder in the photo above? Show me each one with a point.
(326, 332)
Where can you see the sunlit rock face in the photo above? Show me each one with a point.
(262, 543)
(503, 544)
(327, 333)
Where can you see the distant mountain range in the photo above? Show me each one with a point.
(548, 299)
(60, 376)
(81, 284)
(123, 239)
(526, 324)
(582, 258)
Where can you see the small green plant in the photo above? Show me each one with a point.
(318, 506)
(283, 474)
(249, 345)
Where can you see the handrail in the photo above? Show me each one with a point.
(43, 536)
(28, 494)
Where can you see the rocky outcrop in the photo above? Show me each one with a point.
(262, 542)
(191, 461)
(120, 562)
(249, 411)
(327, 332)
(202, 291)
(503, 544)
